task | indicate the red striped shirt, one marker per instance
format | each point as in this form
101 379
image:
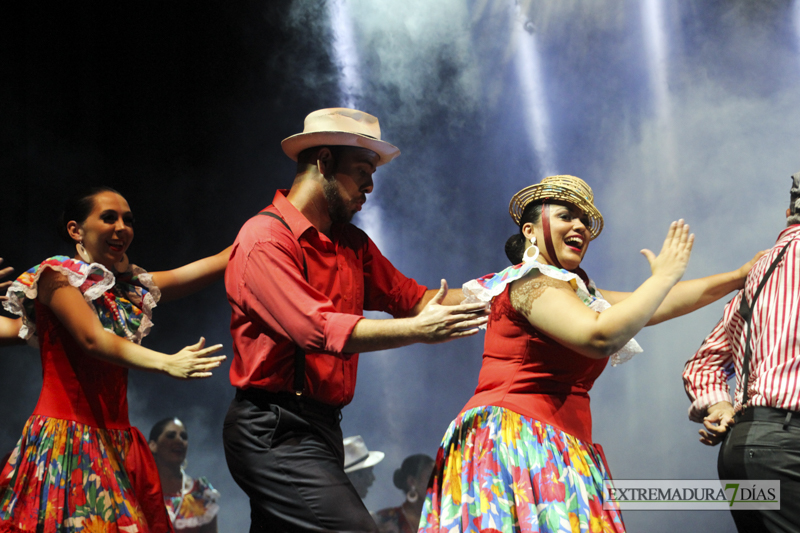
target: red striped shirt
775 359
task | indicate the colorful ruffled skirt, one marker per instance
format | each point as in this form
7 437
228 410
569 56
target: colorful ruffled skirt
498 471
64 476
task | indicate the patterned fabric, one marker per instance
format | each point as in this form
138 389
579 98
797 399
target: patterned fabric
485 288
71 478
497 471
66 475
195 506
123 305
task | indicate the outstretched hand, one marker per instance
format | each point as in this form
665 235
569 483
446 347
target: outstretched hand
671 262
439 323
194 361
6 284
745 268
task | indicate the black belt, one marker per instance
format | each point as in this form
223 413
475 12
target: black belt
769 414
288 400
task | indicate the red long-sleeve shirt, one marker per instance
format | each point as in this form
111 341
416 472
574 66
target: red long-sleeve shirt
274 306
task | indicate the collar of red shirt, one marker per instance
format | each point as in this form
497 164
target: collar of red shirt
297 222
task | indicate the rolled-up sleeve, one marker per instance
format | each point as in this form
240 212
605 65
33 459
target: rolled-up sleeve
706 374
275 289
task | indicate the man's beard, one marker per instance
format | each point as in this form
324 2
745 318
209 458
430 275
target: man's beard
336 208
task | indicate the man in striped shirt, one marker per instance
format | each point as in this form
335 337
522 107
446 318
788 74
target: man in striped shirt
760 439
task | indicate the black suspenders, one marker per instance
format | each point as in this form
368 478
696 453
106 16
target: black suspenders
299 353
746 310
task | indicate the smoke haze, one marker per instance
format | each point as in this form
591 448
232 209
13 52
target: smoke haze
182 107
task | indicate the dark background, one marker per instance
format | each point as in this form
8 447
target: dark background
181 106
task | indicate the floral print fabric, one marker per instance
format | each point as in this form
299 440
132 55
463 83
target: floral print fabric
69 477
123 303
498 471
195 506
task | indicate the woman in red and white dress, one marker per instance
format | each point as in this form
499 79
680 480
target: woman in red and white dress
79 465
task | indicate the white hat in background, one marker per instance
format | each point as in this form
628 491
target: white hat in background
357 456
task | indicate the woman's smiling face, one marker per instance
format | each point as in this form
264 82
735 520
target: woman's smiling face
569 231
108 230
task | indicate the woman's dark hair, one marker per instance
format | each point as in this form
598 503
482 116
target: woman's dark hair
516 244
412 466
78 208
158 428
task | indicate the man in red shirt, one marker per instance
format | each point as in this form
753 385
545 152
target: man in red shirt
299 278
760 431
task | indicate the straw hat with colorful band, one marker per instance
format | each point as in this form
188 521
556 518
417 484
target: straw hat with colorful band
339 126
563 189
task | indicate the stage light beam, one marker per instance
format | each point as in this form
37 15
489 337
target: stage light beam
528 66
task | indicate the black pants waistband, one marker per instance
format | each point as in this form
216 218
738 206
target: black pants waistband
769 414
287 400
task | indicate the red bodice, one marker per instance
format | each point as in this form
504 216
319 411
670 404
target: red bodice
533 375
76 386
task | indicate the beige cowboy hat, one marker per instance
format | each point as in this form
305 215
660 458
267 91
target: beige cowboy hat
339 126
357 456
561 188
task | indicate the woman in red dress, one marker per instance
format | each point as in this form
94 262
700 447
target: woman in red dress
79 465
520 456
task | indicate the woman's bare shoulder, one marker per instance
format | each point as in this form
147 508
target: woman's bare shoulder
525 291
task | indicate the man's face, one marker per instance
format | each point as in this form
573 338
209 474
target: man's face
351 181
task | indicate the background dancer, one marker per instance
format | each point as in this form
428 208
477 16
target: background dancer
412 479
191 502
79 465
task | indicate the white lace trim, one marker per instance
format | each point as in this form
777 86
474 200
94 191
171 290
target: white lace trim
475 292
14 304
27 329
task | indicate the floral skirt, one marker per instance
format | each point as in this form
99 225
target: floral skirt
64 476
498 471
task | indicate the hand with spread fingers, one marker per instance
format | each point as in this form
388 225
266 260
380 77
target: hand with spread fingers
5 284
194 361
439 323
673 259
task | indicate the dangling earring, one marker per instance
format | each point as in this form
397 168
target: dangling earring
412 495
122 266
532 248
82 253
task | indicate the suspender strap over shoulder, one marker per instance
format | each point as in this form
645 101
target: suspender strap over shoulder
746 310
299 353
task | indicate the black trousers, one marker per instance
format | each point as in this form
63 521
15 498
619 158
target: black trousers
762 445
287 455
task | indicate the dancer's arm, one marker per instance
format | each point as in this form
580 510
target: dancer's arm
436 322
72 311
9 331
453 297
9 327
690 295
6 284
552 306
185 280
